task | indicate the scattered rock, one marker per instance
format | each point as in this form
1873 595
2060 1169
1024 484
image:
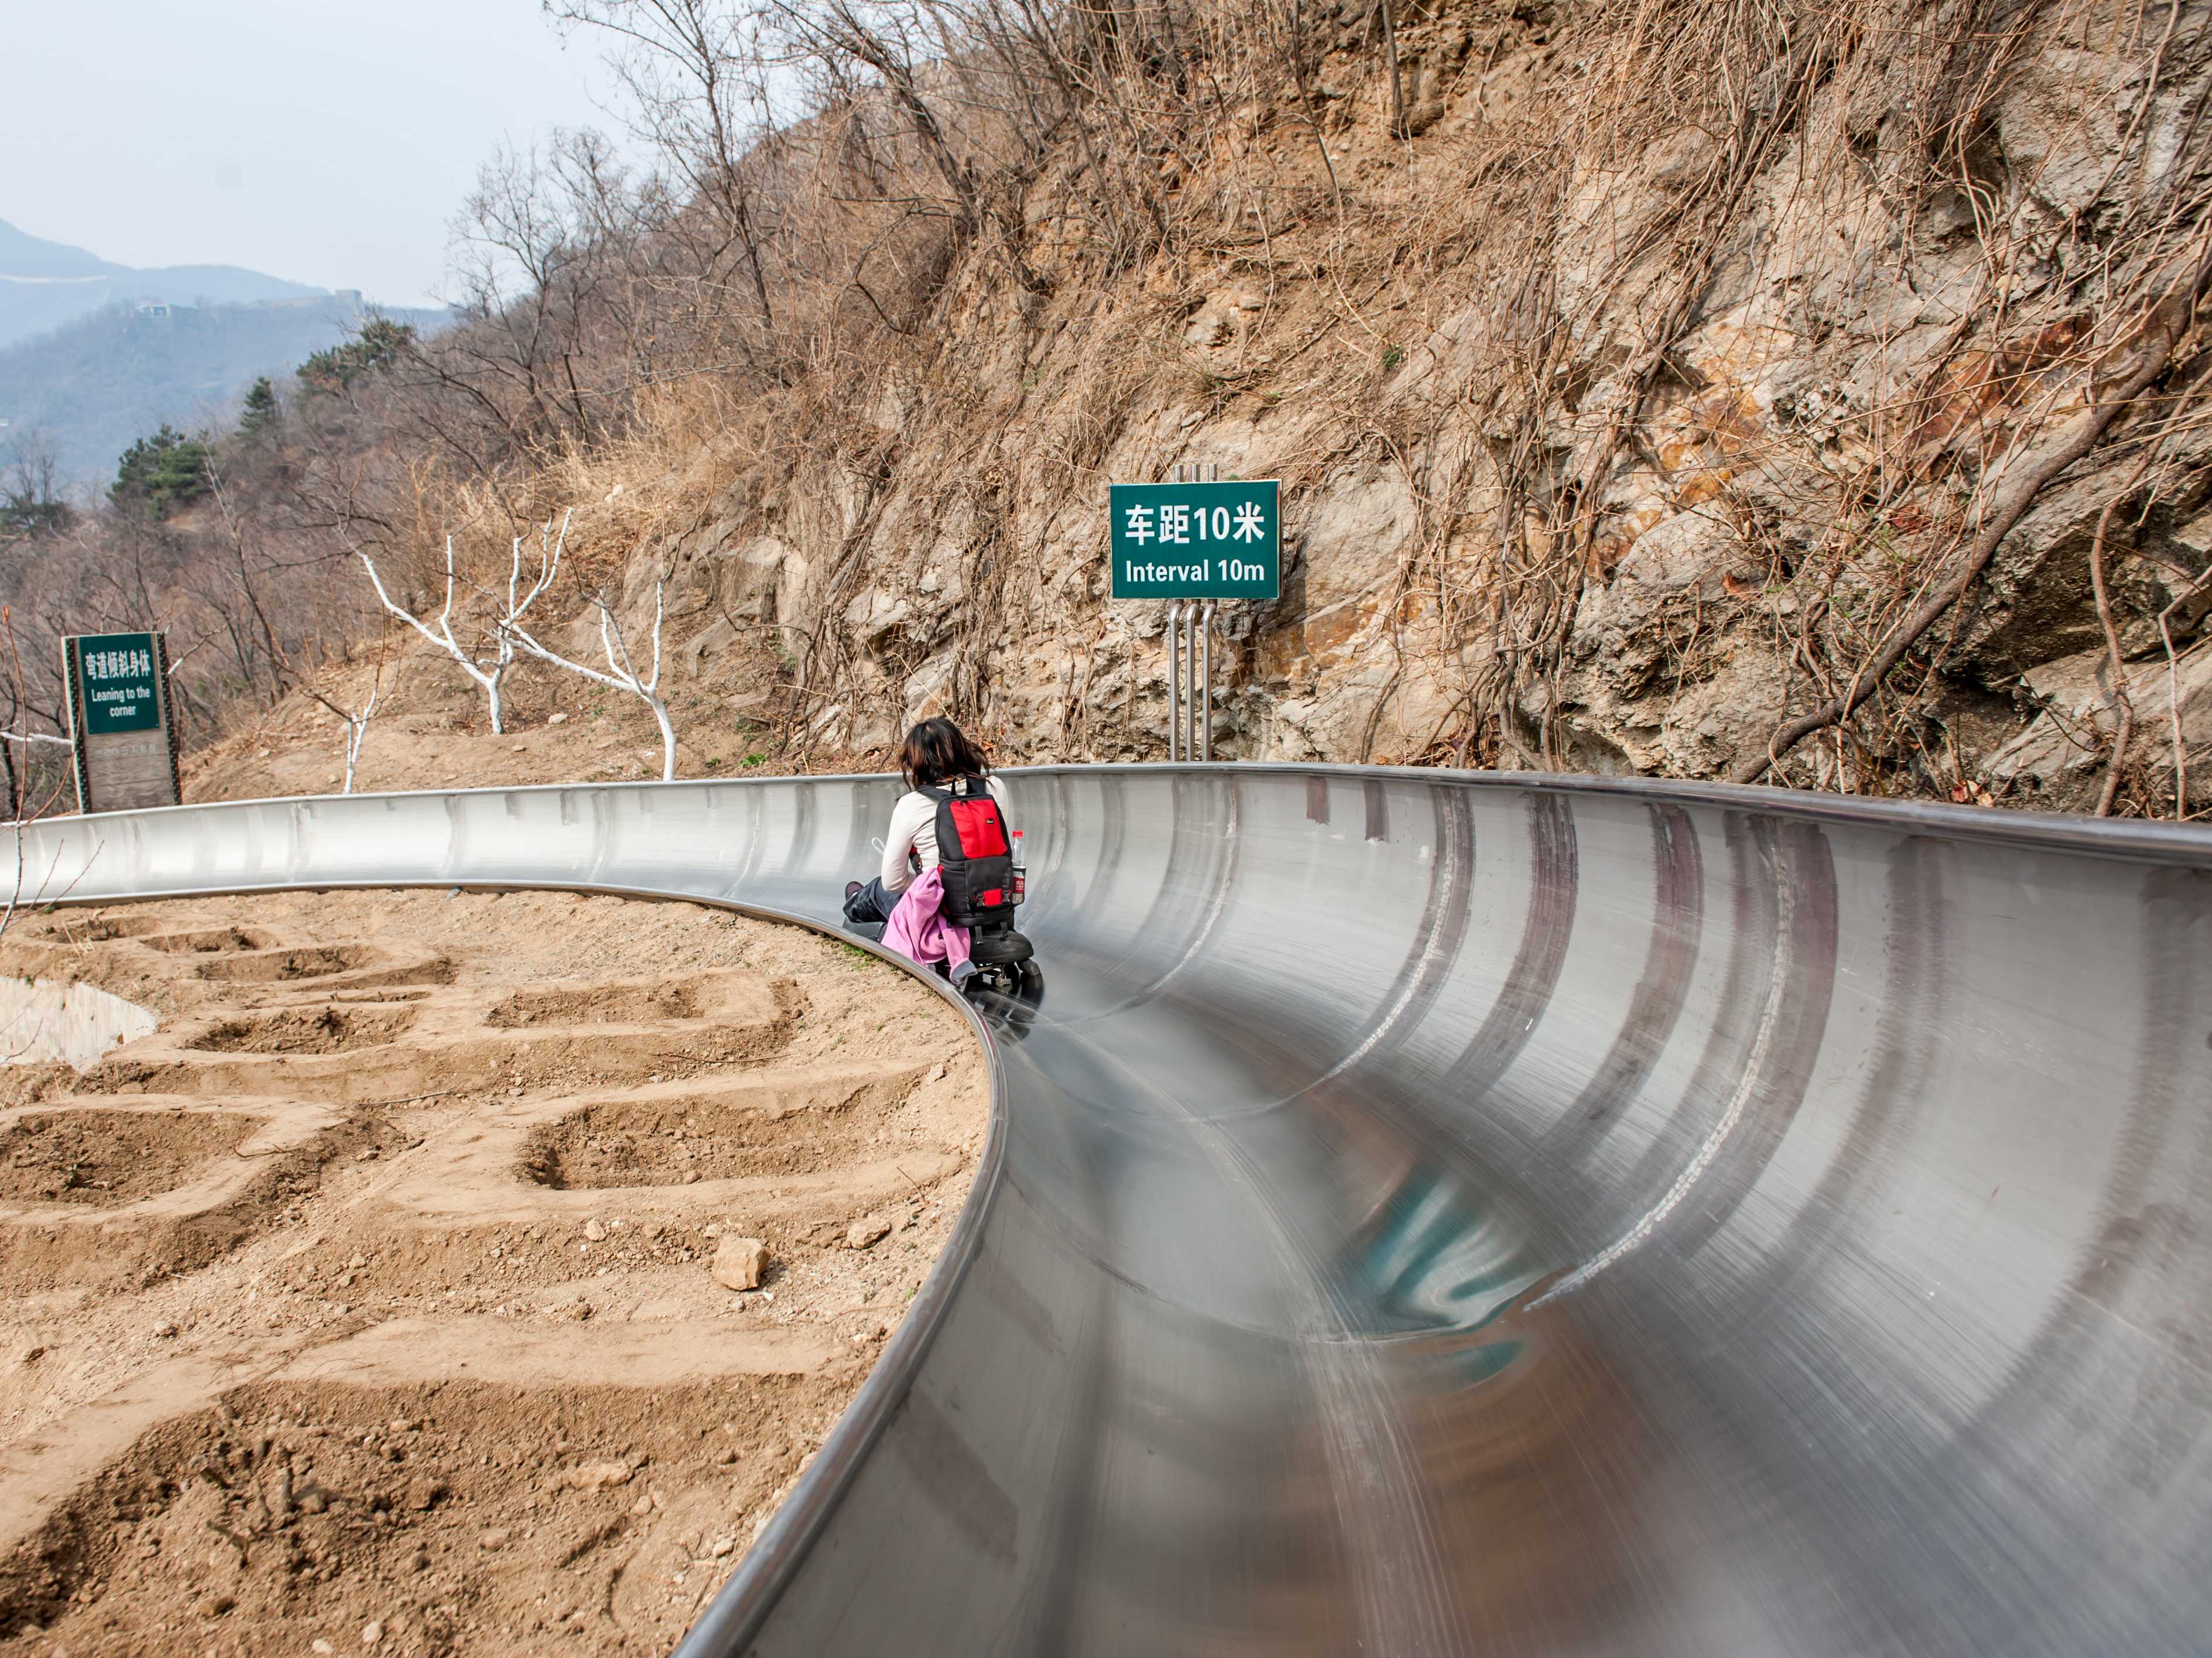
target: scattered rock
595 1232
423 1492
165 1330
740 1263
558 719
495 1539
30 1355
214 1605
324 1648
593 1477
278 1496
868 1230
371 1633
720 1547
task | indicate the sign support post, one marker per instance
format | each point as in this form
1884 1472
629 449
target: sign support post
1194 541
1197 724
1174 631
1205 678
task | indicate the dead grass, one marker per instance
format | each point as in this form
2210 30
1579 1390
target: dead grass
1556 272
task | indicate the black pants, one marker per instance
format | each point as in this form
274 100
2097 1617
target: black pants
871 904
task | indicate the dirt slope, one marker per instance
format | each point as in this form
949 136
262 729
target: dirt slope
378 1300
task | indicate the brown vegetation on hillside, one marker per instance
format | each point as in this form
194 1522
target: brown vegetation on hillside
1700 388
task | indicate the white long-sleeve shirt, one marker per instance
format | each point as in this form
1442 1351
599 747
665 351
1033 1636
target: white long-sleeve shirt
913 829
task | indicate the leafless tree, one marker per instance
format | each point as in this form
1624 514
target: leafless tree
491 657
693 71
32 502
32 792
356 719
622 672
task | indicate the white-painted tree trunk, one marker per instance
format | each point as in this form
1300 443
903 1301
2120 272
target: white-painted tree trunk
490 678
620 672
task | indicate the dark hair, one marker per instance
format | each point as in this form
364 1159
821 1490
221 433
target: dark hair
935 752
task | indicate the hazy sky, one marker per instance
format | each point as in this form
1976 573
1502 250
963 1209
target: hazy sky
328 143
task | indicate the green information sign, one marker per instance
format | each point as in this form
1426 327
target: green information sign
119 724
120 679
1196 540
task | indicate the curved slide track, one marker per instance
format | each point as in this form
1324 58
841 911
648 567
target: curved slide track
1444 1213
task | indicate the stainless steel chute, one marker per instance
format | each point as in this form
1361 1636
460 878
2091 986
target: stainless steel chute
1436 1213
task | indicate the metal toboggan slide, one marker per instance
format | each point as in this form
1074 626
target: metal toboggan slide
1436 1212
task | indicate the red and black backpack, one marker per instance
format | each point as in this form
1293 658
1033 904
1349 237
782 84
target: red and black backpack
975 853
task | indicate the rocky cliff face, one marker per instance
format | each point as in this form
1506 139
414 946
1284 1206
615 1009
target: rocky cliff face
1627 400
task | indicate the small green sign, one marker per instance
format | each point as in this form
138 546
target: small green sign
1196 540
118 673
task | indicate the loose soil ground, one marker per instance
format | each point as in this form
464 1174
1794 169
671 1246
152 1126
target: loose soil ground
366 1306
106 1156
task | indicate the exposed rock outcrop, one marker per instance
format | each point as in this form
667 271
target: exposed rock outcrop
1612 436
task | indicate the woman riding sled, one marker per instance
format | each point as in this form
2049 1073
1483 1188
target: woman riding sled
936 756
952 878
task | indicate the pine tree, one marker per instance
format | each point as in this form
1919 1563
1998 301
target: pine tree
261 410
380 343
160 474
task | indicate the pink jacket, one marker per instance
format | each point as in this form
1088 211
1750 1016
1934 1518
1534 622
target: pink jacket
918 929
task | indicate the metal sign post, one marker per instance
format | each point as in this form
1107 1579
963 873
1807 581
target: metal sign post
1194 541
121 720
1174 681
1205 678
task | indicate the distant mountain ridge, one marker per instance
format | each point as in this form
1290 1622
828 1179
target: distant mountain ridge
45 285
84 392
95 355
28 256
